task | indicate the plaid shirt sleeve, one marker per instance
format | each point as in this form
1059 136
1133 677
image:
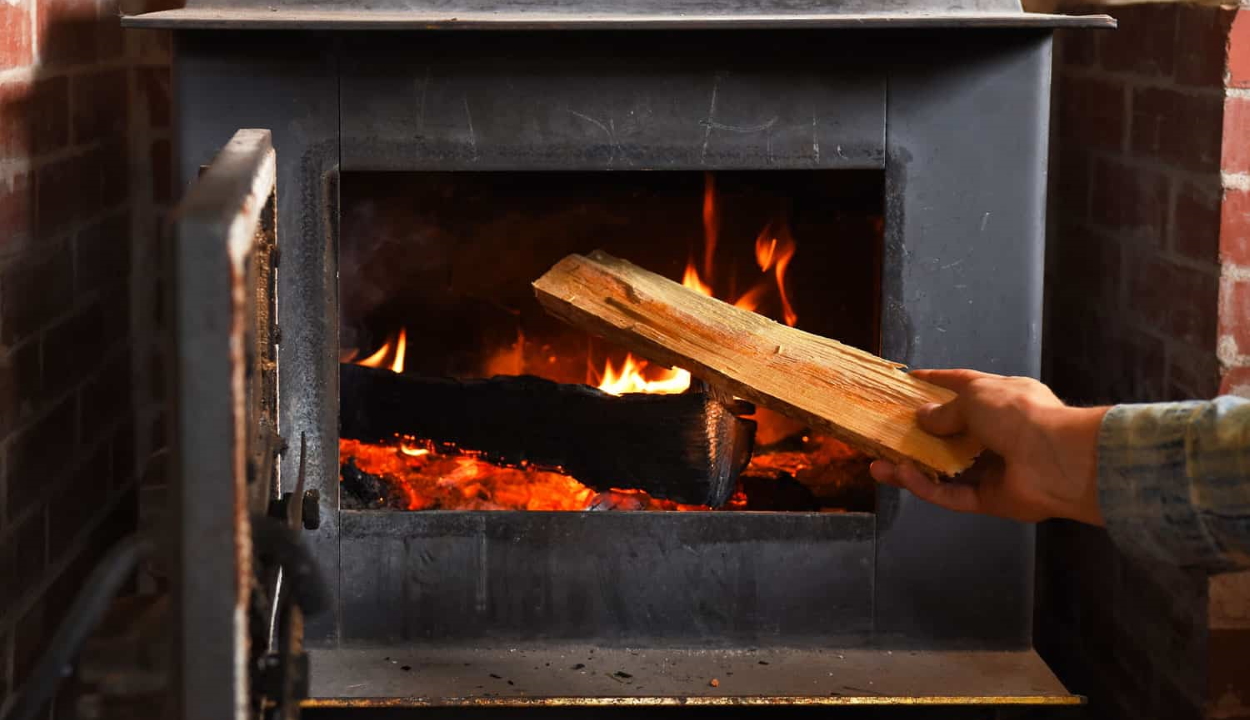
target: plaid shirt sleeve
1174 481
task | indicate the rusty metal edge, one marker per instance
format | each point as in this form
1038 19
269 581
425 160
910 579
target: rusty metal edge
285 19
690 701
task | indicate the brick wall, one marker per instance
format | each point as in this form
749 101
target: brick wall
84 114
1148 298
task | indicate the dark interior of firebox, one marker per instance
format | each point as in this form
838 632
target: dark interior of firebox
434 283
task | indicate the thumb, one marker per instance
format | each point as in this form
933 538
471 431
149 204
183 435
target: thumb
945 419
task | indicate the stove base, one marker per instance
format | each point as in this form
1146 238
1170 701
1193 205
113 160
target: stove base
544 676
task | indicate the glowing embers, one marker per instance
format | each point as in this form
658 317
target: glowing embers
409 474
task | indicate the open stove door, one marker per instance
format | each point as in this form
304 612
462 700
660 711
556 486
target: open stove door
226 442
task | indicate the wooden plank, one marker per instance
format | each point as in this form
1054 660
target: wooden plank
865 401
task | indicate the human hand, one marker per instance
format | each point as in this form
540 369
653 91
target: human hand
1041 460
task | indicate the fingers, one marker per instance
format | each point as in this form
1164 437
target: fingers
960 498
945 419
955 380
883 472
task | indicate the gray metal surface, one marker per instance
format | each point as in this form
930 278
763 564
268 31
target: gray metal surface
292 88
217 225
393 16
962 287
698 578
961 131
456 102
590 675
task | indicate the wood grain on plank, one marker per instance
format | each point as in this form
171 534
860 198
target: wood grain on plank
863 400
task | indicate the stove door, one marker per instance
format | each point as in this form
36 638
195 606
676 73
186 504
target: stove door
225 434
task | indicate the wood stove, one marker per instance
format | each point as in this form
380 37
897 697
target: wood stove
906 142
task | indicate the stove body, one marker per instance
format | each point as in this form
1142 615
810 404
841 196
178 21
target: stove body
951 107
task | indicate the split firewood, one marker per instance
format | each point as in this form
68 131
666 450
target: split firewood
863 400
689 448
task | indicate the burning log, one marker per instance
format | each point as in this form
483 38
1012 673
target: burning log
689 448
855 396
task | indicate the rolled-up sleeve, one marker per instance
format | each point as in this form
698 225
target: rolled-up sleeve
1174 481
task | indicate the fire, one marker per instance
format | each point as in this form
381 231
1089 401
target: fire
711 225
395 356
774 249
631 378
413 474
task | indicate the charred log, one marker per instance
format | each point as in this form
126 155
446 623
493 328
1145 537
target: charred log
688 448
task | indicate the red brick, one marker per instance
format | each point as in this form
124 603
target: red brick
17 204
1072 172
114 167
110 38
1226 656
6 663
14 136
15 36
1193 372
68 31
1087 263
39 455
124 456
1235 228
1134 366
75 348
27 558
1176 300
1239 50
1078 50
1144 43
1179 128
154 46
78 501
28 641
1196 222
1091 112
1234 311
101 102
1235 154
153 83
1130 201
1202 44
69 192
102 253
1236 381
105 399
48 118
21 385
33 292
162 172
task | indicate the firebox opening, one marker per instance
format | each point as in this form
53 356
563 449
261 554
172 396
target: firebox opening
435 272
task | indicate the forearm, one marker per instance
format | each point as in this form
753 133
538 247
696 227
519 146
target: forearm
1174 481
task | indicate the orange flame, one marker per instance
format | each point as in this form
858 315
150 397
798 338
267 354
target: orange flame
773 250
711 225
631 378
396 355
692 280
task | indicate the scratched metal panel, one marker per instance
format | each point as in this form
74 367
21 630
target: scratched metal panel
223 226
253 80
649 7
608 102
962 285
614 578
